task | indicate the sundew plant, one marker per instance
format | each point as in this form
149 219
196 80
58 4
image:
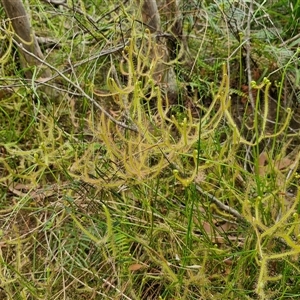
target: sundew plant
149 156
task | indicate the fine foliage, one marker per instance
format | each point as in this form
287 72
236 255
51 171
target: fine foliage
151 163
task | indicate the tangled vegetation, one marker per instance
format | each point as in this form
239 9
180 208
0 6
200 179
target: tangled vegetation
149 163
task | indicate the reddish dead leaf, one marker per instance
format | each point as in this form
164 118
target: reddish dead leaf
225 227
207 227
279 164
256 74
245 90
262 160
135 267
283 163
228 261
5 93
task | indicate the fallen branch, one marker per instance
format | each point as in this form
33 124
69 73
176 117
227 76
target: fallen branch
221 205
